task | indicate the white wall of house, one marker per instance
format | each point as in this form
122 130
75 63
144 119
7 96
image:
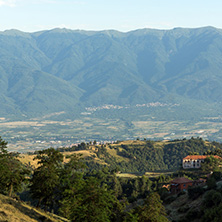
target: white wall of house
190 163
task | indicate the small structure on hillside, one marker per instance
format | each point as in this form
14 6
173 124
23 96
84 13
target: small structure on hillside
180 184
194 161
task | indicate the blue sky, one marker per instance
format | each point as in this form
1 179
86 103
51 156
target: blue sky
122 15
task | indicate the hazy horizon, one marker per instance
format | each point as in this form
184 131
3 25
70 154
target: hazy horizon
97 15
103 30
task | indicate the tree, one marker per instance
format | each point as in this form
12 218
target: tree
116 186
45 180
3 146
89 201
213 214
12 171
211 199
152 210
212 206
210 164
89 197
71 178
211 183
12 174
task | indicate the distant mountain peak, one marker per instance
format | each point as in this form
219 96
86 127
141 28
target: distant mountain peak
15 32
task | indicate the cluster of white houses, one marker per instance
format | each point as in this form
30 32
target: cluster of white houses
194 161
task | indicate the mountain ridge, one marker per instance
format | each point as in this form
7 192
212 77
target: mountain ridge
61 69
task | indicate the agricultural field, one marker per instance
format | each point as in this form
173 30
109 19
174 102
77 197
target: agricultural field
37 134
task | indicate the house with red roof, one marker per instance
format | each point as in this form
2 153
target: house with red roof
194 161
180 184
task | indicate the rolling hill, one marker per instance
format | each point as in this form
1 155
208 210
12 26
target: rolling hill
138 156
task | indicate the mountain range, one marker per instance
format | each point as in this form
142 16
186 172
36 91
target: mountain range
66 70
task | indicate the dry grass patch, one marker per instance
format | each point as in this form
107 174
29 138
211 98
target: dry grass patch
84 153
14 211
28 160
126 175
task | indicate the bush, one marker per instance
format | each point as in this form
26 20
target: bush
217 175
170 199
211 183
183 209
212 198
193 214
181 193
195 192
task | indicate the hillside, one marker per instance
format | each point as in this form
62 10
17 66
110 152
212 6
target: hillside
66 70
16 211
137 156
72 190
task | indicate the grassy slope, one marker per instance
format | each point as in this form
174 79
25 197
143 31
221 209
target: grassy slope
16 211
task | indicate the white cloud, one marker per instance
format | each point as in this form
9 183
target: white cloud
10 3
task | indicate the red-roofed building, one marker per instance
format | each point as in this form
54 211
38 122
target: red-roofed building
194 161
180 184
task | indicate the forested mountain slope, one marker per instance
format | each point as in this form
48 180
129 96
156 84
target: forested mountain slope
64 70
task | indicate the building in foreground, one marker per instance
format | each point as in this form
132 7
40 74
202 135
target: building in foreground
180 184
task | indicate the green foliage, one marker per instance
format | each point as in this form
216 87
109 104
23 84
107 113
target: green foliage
89 201
151 157
211 183
217 175
3 147
213 214
49 157
45 180
212 205
192 214
152 210
210 164
195 192
12 172
212 198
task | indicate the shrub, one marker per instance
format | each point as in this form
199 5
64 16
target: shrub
195 192
170 199
212 198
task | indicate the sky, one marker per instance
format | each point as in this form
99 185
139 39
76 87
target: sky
121 15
